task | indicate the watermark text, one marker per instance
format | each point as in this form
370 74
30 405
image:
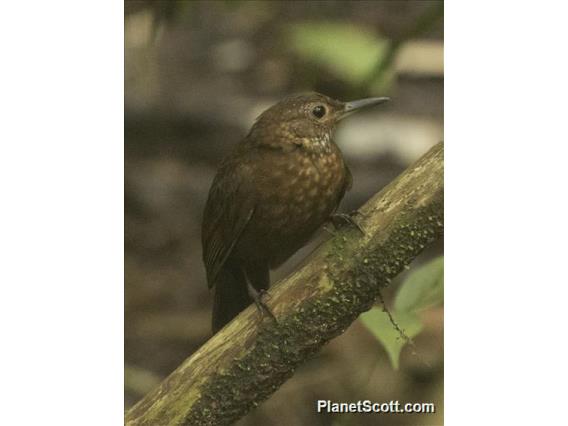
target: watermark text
366 406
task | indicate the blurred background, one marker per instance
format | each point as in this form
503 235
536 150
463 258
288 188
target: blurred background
197 73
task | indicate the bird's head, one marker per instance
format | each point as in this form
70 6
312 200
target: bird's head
307 120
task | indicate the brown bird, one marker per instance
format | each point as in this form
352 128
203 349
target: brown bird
280 184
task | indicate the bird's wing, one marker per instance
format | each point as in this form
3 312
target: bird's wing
227 213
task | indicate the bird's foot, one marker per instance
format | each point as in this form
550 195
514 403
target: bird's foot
341 219
259 297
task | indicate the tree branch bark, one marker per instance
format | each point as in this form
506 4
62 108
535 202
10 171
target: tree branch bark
250 358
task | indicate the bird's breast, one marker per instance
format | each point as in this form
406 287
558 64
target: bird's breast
301 192
294 194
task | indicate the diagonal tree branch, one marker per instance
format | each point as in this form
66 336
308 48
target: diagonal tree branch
249 359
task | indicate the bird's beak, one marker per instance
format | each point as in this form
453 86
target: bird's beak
354 106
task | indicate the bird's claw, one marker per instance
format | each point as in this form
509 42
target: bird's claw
259 296
340 219
263 308
264 294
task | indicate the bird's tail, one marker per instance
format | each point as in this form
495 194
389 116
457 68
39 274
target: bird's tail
231 296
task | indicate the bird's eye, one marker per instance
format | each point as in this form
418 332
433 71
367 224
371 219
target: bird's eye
319 111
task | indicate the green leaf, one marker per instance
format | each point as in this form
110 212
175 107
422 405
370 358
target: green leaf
347 51
378 322
424 288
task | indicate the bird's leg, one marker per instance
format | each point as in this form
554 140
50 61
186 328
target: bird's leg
340 219
258 296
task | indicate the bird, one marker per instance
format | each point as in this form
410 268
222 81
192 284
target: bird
270 195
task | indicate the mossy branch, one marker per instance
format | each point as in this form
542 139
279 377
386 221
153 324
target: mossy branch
249 359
